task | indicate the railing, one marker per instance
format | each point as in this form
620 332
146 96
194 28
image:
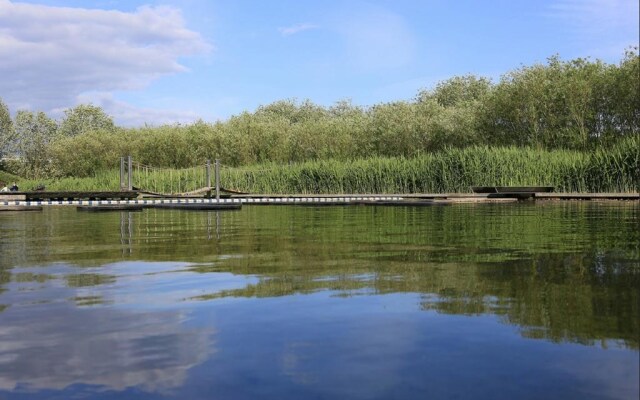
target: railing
194 180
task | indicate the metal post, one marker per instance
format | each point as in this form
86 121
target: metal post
121 173
129 173
208 174
217 171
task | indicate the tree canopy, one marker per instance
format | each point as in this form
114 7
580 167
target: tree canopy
579 104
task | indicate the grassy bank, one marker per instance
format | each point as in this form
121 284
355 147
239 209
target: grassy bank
615 169
8 178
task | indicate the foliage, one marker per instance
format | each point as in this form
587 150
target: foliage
85 118
614 169
452 170
34 134
7 133
8 178
573 104
90 153
566 105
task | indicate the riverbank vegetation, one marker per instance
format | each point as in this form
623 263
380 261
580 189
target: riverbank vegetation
611 169
571 124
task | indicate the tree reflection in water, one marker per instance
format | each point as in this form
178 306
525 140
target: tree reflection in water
77 304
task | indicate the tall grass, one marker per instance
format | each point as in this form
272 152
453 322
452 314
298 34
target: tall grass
8 178
107 180
615 169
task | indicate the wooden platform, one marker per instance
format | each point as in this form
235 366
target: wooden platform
20 208
588 196
512 189
111 207
414 200
402 203
67 195
195 206
12 196
457 197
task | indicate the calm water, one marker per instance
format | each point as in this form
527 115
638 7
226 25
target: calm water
484 302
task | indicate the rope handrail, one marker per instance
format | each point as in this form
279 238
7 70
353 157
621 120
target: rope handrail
197 179
136 164
245 169
168 180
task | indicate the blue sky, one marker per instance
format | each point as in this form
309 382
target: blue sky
176 61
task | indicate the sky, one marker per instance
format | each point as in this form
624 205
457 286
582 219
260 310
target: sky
163 62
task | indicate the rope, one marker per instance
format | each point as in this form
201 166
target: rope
169 180
191 179
233 169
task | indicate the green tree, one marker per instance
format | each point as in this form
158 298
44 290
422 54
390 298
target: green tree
620 99
292 111
451 110
7 133
457 90
516 111
89 153
570 104
396 129
34 134
349 127
85 118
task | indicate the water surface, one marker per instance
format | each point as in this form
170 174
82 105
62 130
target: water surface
466 301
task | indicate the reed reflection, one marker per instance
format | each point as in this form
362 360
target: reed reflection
560 272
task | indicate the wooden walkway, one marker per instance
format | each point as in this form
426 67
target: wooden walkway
588 196
112 200
67 195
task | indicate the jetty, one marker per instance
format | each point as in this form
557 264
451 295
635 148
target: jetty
4 208
110 207
135 201
68 195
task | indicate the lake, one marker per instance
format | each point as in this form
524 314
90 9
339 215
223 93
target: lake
487 301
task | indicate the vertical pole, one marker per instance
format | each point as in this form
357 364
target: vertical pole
129 169
121 173
217 171
208 179
208 174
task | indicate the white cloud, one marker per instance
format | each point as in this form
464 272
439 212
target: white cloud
101 347
610 25
51 55
377 39
68 343
126 114
297 28
598 14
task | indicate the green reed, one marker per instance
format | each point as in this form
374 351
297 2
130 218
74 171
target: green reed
453 170
615 169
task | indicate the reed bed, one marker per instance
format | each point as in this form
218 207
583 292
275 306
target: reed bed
615 169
